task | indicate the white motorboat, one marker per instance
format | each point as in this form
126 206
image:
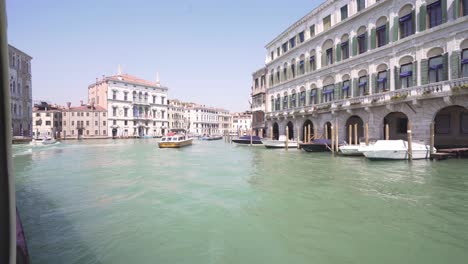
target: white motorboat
353 150
43 141
395 150
280 143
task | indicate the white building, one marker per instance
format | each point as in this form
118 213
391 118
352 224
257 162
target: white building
47 120
375 63
135 107
241 123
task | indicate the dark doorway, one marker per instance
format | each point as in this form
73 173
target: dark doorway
305 128
275 131
290 128
451 127
397 125
352 121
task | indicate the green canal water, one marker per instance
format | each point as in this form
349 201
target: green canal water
129 202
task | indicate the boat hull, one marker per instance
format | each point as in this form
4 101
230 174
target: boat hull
178 144
396 154
275 144
350 151
242 142
311 147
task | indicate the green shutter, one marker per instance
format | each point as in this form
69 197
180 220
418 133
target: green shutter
372 41
354 46
445 70
443 6
395 28
324 52
455 64
387 33
366 42
456 9
374 84
338 52
319 96
415 74
337 95
307 64
355 88
388 80
397 78
424 73
413 20
422 17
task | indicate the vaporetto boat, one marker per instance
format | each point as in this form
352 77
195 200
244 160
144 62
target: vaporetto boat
175 141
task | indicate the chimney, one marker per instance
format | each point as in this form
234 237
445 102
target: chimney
92 105
68 105
81 102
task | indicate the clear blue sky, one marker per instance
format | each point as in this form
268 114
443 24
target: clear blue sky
204 50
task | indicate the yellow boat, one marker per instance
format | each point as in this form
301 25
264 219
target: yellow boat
175 141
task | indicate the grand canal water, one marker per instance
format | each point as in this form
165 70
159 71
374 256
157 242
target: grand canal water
129 202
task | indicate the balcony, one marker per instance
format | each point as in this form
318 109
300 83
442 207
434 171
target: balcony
411 94
140 101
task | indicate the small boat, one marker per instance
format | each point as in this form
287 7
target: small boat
44 141
245 141
211 137
280 143
317 145
395 150
353 150
175 141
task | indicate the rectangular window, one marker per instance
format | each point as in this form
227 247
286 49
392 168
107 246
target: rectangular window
345 50
125 97
285 47
64 113
326 23
329 56
87 132
114 111
47 114
301 37
95 123
302 98
47 123
125 123
345 89
406 25
301 67
272 55
87 123
381 34
382 81
406 75
95 132
73 123
114 122
362 86
154 99
328 92
464 63
285 102
125 112
104 132
434 14
361 4
312 63
114 95
64 123
312 30
73 132
103 123
293 100
362 43
277 52
344 12
38 114
292 43
256 83
436 68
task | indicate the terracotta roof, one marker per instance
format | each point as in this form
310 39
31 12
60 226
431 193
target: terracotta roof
85 108
133 79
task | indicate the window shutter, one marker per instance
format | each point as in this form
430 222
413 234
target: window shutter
388 79
373 38
355 88
456 9
422 17
397 78
443 6
395 28
414 81
374 84
366 42
338 52
337 95
424 73
387 33
413 20
324 58
354 46
318 96
455 64
445 70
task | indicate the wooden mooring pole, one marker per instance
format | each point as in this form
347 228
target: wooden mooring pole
410 141
432 137
287 138
337 137
305 135
271 132
387 132
308 134
332 139
355 134
326 131
350 136
367 134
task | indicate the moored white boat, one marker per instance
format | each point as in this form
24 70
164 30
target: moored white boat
43 141
395 150
353 150
280 143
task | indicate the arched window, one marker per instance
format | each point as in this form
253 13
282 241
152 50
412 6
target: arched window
293 68
272 103
363 83
381 83
362 40
327 53
406 21
285 101
345 87
302 64
311 63
278 73
434 13
293 99
381 32
302 97
344 46
313 95
278 103
405 73
328 89
285 72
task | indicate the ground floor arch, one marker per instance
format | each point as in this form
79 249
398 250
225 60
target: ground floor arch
357 129
307 127
397 123
290 128
327 132
451 127
275 131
